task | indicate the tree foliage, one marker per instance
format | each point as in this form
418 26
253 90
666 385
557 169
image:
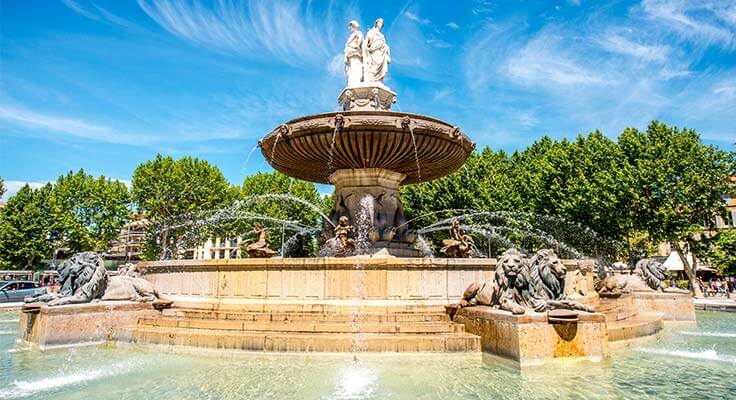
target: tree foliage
3 190
659 185
281 207
165 189
25 228
678 186
87 212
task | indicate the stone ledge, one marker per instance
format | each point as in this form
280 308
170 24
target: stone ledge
530 339
79 324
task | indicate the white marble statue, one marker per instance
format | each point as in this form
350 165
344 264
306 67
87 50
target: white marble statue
376 54
354 55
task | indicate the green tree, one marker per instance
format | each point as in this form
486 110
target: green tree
165 189
584 185
88 212
3 190
484 182
721 251
678 184
25 228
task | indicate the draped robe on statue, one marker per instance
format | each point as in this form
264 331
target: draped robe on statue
376 56
354 58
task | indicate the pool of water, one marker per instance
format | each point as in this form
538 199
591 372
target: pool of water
682 362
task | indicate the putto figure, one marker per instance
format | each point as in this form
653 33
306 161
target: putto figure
354 55
260 248
376 54
458 245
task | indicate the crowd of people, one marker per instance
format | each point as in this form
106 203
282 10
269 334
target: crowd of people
718 287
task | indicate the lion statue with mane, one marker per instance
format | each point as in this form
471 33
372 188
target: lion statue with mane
520 284
84 279
648 276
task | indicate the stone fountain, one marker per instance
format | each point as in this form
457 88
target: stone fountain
368 151
528 309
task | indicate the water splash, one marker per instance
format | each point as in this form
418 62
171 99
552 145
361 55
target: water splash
364 224
709 355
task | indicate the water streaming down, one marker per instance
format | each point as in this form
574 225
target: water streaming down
247 159
330 160
416 152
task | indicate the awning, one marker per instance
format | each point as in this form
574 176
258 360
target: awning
674 263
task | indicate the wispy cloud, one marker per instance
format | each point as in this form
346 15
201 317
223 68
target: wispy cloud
74 6
98 14
616 43
709 22
416 18
453 25
14 186
20 116
287 31
547 61
438 43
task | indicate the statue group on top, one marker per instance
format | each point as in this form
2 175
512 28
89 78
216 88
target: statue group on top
366 59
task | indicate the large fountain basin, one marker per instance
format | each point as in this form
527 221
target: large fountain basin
313 147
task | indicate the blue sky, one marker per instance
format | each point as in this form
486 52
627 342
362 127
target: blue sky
104 85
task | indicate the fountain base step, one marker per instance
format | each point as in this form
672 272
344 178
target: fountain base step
643 324
307 331
307 342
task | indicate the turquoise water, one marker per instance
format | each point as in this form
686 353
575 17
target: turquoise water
682 362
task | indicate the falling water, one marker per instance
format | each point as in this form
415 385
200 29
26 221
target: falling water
250 153
273 149
364 224
332 148
416 152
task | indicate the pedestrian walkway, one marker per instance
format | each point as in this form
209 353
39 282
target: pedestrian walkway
715 304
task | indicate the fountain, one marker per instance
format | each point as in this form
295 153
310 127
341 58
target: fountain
372 288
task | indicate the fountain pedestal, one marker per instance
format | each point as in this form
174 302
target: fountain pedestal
369 197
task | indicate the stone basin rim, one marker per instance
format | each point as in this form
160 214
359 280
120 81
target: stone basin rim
305 147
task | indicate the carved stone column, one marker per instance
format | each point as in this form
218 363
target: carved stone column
371 196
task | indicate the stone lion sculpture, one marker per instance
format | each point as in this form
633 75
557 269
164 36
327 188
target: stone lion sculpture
129 286
509 288
648 276
84 279
651 272
520 284
547 276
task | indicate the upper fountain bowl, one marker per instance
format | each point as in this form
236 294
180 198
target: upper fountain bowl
313 147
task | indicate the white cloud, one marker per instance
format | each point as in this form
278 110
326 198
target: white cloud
547 60
453 25
438 43
101 14
20 116
336 66
13 187
616 43
74 6
694 20
416 18
288 31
